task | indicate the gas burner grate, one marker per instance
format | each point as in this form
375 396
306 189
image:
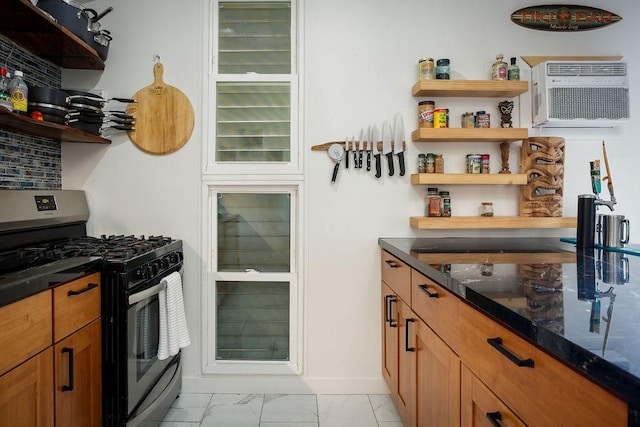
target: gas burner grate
112 247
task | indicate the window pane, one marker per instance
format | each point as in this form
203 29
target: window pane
254 38
254 232
252 321
253 122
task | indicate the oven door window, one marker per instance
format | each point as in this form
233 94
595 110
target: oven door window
143 336
147 333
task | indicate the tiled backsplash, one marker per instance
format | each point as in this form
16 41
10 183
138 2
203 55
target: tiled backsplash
25 161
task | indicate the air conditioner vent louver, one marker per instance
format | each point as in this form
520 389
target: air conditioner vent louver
588 69
590 103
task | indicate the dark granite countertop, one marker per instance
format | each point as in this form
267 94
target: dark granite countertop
18 285
583 308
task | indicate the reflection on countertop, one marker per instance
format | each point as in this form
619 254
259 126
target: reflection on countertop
582 307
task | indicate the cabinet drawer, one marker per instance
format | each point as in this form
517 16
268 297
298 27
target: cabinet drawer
397 275
75 304
479 405
25 329
437 307
547 393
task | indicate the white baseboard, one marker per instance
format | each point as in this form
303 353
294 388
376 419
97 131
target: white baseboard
264 384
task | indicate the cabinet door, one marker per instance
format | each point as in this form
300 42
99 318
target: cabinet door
480 407
26 393
78 378
436 372
406 353
25 329
390 339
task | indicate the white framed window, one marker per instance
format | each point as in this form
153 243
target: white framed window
253 95
253 298
252 186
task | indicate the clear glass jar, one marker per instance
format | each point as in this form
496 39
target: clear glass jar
422 163
433 202
445 203
499 68
486 209
443 69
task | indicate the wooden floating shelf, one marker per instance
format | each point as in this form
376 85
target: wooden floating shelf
31 28
470 88
493 222
497 258
470 178
16 123
469 134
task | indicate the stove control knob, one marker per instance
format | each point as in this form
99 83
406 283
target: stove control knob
165 262
154 268
140 273
174 257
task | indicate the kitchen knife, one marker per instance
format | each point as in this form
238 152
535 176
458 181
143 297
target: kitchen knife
360 148
375 137
386 146
355 153
346 152
369 145
398 142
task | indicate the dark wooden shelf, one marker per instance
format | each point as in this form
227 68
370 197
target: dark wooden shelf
25 125
30 28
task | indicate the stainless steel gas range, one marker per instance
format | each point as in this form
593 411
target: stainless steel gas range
43 243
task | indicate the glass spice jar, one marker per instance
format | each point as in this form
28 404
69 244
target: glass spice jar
445 203
438 163
433 202
486 209
422 163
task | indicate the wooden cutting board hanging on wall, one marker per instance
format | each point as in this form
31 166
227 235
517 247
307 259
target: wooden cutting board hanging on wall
164 116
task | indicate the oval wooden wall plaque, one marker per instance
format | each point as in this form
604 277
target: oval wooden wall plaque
563 17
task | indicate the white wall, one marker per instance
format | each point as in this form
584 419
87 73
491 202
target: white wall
360 61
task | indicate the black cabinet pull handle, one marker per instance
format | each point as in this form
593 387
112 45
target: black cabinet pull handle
387 318
391 263
424 289
406 336
495 418
70 386
391 323
82 291
497 344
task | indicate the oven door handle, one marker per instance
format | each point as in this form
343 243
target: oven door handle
142 295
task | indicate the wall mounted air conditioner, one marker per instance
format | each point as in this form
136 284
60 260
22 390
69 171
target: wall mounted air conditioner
579 94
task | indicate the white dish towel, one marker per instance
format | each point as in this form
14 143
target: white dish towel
174 334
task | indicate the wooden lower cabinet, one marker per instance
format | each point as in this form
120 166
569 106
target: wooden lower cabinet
26 393
51 357
435 370
78 378
448 364
480 407
538 388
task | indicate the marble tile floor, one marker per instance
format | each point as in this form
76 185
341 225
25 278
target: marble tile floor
282 410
